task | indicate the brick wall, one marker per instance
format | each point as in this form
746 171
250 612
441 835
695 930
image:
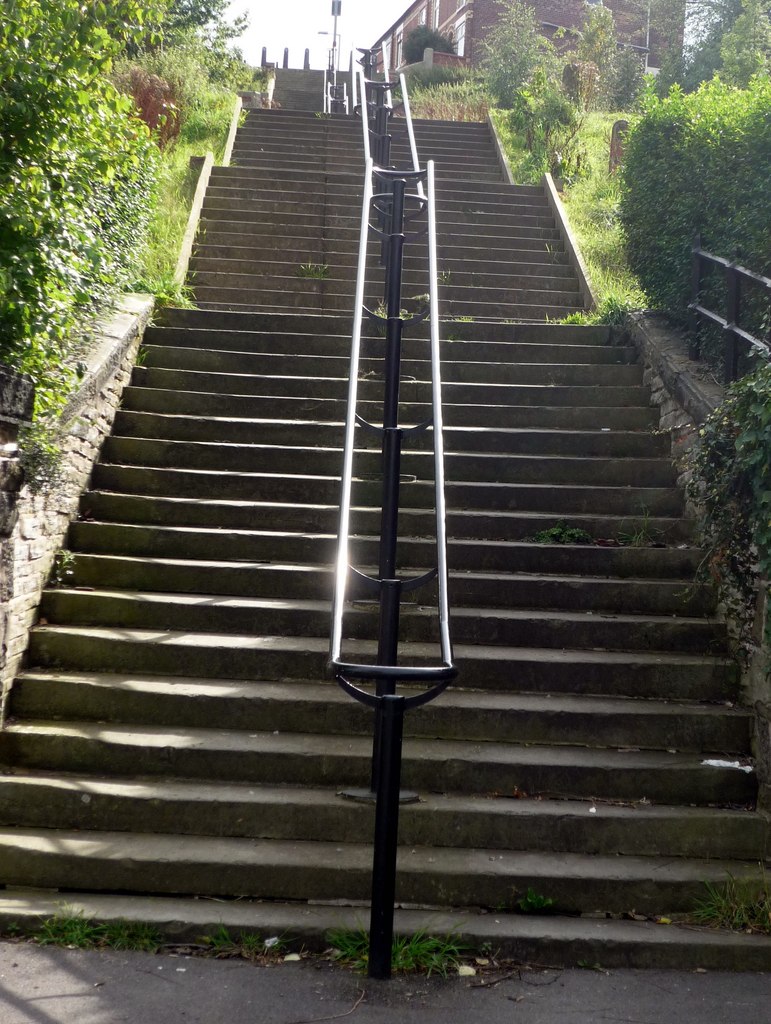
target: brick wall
43 517
481 15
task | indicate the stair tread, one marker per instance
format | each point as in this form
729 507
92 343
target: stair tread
175 638
294 854
455 696
213 600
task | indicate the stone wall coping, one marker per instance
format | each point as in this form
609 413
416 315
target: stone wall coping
664 347
503 160
17 395
204 165
112 338
570 242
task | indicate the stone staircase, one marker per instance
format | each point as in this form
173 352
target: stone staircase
174 735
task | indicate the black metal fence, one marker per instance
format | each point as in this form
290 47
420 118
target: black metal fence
746 300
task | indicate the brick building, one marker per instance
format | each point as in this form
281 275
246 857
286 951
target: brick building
467 22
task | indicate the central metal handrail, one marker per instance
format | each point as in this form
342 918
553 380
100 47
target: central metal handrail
389 206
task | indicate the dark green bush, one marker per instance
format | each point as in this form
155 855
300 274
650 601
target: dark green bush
75 174
422 38
698 163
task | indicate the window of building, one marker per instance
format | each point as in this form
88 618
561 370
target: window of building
422 16
387 57
399 44
460 37
436 14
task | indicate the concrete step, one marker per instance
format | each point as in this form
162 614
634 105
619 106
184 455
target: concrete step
152 804
303 617
210 404
475 554
455 371
468 467
558 940
290 264
622 444
459 310
280 708
438 766
615 673
254 486
292 579
525 346
503 331
140 863
536 389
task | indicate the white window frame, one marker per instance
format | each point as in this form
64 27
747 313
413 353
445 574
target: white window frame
460 36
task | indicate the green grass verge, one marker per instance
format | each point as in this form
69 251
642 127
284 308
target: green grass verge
592 203
418 953
205 128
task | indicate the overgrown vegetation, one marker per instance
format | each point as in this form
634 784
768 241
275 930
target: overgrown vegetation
97 124
422 38
732 485
76 177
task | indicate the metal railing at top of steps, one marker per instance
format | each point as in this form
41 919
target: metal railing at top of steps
376 684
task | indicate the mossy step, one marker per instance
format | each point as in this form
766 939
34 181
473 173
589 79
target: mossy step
291 579
318 708
553 939
504 441
141 863
190 403
472 624
537 670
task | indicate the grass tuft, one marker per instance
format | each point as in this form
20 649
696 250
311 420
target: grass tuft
416 954
739 905
76 931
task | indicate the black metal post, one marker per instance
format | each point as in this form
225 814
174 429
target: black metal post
381 925
390 587
733 316
694 346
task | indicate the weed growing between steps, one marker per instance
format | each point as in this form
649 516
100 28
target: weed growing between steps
561 533
418 953
76 932
737 905
317 271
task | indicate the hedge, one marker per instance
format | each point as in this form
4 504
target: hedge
698 162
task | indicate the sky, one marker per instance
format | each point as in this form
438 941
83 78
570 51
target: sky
297 23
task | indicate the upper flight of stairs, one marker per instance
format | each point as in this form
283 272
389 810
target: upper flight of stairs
500 253
174 734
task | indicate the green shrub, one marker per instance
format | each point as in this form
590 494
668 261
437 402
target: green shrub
697 163
75 173
514 50
550 125
422 38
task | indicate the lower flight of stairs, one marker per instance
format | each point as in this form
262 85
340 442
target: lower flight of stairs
174 752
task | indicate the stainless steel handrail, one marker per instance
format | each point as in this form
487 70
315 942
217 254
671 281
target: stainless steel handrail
364 108
411 131
343 560
438 424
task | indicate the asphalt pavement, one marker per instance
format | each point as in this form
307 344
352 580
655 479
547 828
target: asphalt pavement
47 985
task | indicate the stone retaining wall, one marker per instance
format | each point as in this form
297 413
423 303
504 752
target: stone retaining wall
44 516
16 400
686 392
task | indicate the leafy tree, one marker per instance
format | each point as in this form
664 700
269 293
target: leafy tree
422 38
709 21
209 15
515 49
598 45
746 49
